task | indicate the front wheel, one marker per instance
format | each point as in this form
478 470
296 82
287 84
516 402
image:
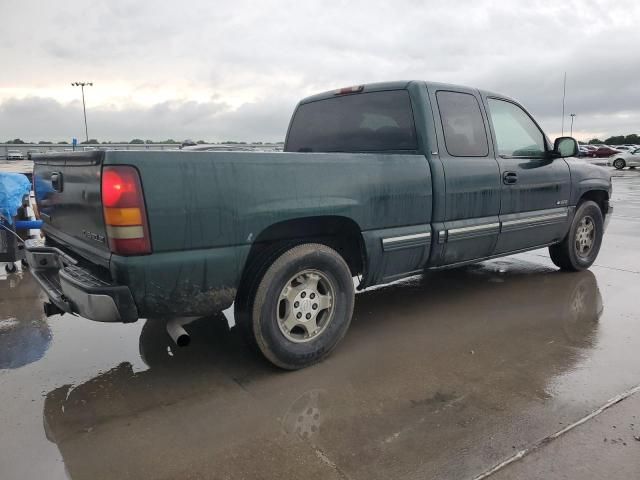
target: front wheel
619 163
10 268
580 247
301 307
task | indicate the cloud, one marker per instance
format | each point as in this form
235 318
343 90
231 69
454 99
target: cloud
235 69
210 120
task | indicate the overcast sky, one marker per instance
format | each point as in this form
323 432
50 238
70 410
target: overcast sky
233 70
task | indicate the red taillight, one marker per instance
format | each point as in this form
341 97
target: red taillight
124 211
120 187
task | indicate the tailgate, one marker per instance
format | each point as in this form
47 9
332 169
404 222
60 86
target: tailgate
67 188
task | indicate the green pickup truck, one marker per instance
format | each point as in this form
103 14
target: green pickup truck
377 182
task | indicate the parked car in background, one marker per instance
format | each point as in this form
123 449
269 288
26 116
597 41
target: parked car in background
624 148
583 151
625 159
603 152
15 155
587 151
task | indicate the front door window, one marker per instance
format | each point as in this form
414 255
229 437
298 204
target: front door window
516 134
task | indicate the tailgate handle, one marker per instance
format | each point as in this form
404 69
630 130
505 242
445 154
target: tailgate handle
56 181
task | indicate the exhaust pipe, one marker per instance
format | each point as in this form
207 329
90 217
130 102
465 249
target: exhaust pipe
178 334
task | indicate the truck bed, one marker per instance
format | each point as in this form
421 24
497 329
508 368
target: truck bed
207 209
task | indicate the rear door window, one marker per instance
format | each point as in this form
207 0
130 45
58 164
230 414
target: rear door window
363 122
462 123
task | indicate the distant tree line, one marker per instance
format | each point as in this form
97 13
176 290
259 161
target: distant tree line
135 141
632 138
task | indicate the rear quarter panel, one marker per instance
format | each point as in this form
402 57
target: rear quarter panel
205 210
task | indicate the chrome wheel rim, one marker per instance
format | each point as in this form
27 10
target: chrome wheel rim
305 306
585 235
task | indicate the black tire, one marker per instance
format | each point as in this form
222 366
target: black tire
259 313
243 305
566 254
10 268
619 163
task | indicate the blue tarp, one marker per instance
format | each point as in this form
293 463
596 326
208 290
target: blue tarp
13 186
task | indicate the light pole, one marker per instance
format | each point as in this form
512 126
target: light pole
572 115
564 94
84 109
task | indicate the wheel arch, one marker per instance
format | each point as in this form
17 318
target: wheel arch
600 197
341 233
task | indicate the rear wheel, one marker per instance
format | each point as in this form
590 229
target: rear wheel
619 163
580 247
302 306
10 268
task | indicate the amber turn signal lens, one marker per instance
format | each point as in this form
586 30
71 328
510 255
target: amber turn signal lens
122 216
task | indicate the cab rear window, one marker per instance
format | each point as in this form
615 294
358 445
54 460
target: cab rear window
464 132
364 122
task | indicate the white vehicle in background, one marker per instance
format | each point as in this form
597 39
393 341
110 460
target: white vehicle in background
625 159
15 155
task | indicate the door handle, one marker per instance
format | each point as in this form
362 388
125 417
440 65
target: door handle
56 181
509 178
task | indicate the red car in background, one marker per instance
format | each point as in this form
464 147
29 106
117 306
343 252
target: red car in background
603 152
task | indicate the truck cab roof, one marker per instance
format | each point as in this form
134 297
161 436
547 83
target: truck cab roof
395 85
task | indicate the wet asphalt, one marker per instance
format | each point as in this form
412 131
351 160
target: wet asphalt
442 376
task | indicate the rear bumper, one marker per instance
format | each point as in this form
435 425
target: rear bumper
76 290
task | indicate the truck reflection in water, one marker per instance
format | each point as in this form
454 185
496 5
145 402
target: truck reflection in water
24 332
448 348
